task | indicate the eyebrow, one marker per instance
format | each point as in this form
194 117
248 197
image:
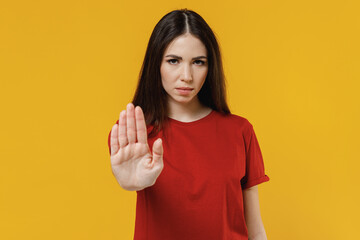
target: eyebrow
178 57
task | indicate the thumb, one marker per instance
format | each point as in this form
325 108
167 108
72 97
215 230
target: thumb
157 151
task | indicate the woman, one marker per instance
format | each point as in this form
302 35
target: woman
199 181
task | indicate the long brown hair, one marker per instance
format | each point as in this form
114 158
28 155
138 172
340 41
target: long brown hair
150 94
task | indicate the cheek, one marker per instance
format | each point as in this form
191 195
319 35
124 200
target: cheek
167 74
165 77
202 76
205 73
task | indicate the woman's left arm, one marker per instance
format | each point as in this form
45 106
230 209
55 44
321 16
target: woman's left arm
256 230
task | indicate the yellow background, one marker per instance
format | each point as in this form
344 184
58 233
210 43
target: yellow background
67 69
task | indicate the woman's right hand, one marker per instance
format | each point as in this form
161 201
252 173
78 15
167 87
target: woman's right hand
132 163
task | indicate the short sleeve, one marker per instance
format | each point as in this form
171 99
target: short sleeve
255 169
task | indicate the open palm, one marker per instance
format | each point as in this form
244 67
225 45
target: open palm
132 163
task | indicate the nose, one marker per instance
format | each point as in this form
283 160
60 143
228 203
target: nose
186 73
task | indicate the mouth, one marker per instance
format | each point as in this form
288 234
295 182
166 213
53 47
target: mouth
184 91
186 88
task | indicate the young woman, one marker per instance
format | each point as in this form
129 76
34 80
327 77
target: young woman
200 179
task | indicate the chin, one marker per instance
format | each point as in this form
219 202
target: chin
186 101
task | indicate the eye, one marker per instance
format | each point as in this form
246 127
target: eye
171 61
200 62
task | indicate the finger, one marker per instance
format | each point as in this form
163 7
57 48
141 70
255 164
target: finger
141 131
157 152
114 143
123 140
130 123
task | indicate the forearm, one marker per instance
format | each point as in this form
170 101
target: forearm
254 224
258 236
256 231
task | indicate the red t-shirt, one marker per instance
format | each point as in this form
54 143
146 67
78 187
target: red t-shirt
198 195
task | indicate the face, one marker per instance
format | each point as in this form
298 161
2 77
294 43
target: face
183 69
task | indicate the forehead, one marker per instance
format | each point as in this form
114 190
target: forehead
186 44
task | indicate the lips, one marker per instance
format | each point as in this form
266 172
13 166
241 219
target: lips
184 91
185 88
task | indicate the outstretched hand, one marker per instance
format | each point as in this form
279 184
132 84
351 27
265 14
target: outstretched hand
132 163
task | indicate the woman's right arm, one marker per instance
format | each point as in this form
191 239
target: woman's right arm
132 163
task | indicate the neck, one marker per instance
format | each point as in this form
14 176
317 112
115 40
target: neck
187 112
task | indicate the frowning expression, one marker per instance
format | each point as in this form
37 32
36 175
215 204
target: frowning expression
184 68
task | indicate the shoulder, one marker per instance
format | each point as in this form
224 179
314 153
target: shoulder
234 120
